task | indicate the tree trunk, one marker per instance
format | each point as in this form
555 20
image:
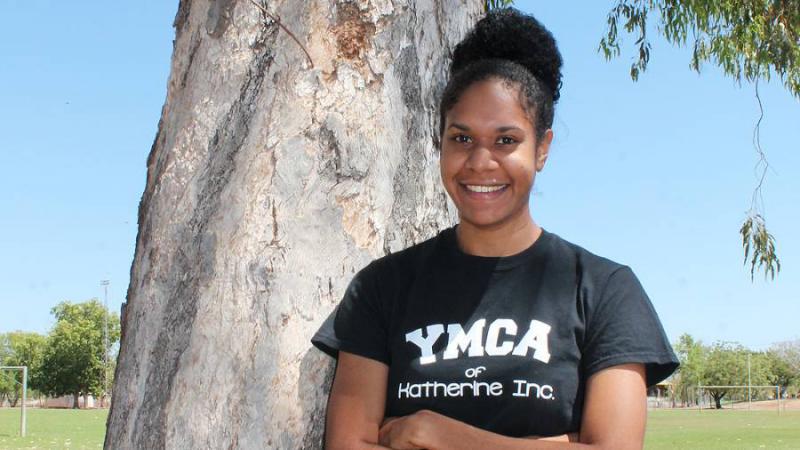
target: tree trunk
270 182
75 403
718 400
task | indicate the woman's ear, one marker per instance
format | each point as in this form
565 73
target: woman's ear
543 149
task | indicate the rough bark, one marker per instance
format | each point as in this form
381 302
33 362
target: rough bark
270 182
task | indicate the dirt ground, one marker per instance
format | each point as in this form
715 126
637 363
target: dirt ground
792 404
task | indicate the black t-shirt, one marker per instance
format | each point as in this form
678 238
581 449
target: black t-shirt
502 343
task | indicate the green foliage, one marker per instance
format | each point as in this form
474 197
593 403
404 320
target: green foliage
489 5
8 389
726 364
635 15
780 372
748 39
692 355
23 348
759 246
785 358
73 360
19 349
6 379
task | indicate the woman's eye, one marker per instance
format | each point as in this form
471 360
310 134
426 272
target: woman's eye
462 139
506 140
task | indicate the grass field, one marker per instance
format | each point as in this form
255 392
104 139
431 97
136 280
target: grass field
666 429
53 429
729 430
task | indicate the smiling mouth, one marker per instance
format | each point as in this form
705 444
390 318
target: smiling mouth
482 189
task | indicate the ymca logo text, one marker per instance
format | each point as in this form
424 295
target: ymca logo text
498 340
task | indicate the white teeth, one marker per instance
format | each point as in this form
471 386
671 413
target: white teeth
479 188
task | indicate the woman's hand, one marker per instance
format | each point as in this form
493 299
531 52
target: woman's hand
427 429
414 431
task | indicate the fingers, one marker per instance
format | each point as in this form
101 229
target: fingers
383 432
387 420
396 432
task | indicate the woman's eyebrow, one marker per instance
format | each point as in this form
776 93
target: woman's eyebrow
505 128
502 129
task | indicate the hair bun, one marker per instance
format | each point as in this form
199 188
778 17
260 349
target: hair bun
512 35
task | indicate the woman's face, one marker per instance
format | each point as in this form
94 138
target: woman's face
490 155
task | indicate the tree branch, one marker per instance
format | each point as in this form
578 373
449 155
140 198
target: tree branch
277 20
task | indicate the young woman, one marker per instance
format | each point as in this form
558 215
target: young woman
495 334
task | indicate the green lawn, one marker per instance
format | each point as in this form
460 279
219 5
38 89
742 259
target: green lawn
54 429
666 429
729 430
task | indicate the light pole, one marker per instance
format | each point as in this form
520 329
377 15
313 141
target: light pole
105 283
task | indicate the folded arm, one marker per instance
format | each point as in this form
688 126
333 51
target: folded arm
356 403
613 417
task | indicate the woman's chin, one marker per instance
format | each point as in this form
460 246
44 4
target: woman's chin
483 221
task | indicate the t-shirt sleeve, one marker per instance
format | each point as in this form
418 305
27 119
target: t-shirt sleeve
357 324
623 327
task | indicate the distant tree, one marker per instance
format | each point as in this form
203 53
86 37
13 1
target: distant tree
780 372
5 386
785 357
6 379
691 354
765 371
749 40
19 348
726 365
788 351
73 362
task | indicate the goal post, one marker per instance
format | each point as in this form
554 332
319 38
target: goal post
23 416
746 393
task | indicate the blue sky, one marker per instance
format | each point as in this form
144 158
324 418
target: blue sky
655 174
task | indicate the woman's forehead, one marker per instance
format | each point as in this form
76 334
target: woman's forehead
489 103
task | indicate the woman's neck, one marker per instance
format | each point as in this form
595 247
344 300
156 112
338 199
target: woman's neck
497 241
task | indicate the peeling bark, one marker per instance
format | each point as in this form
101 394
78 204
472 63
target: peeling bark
269 184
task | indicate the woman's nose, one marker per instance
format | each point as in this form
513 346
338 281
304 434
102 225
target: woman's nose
481 159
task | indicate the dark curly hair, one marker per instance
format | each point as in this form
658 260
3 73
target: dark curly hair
515 47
